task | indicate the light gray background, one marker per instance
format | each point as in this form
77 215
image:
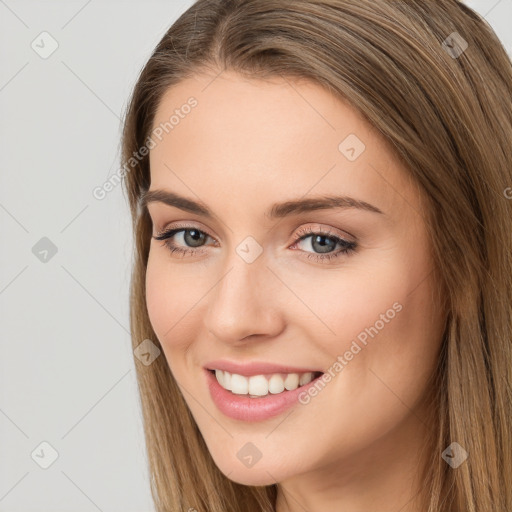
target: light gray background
67 374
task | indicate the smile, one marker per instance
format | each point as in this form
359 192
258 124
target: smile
257 397
258 386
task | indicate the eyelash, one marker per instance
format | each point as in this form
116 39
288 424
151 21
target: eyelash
348 247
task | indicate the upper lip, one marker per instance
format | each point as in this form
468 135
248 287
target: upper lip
254 368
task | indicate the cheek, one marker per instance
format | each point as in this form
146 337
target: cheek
165 308
165 299
344 301
158 298
386 331
380 367
389 344
175 298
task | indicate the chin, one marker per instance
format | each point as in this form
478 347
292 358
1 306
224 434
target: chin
251 476
258 472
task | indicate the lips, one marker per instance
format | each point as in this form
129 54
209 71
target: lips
256 368
244 408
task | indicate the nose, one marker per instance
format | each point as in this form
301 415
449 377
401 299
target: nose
244 303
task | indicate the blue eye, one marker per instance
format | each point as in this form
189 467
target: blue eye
322 241
192 236
194 239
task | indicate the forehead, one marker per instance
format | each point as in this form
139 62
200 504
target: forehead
275 139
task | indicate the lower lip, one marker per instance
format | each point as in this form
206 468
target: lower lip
243 408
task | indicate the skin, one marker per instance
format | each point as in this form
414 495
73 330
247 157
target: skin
355 446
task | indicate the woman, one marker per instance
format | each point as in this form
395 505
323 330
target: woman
320 194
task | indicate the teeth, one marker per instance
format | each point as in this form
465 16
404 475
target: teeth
291 381
305 378
258 385
227 380
239 384
261 385
276 384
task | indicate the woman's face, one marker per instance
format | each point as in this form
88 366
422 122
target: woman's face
353 299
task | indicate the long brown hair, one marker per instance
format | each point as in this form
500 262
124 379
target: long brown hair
435 81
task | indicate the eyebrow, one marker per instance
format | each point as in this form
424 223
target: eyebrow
278 210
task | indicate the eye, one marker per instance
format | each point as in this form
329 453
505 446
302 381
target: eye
186 235
325 243
191 240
